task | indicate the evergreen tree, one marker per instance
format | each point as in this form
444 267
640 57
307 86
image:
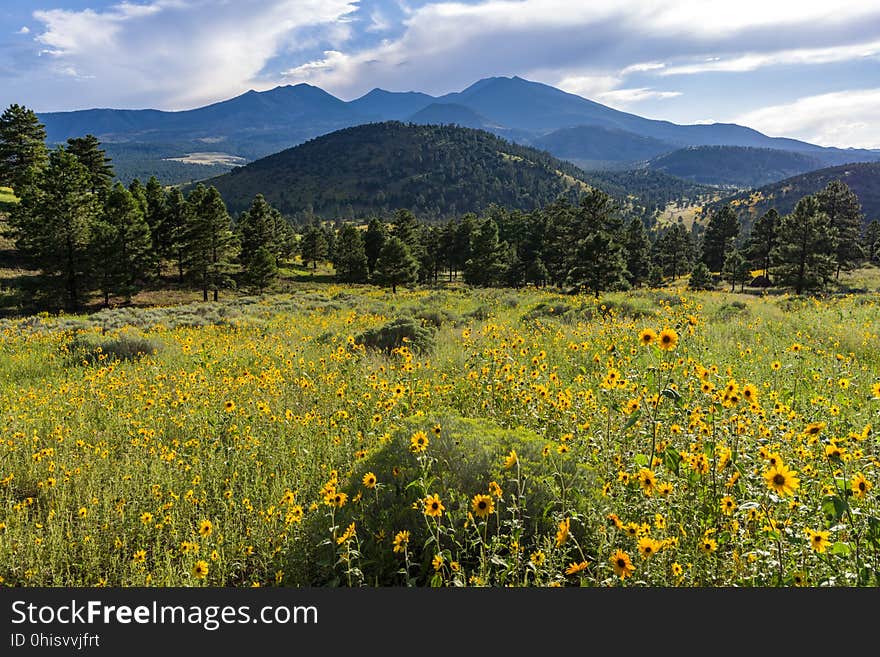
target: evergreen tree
259 228
637 248
700 278
804 256
122 245
844 212
174 227
872 241
154 195
139 192
396 265
211 245
23 152
330 238
90 154
464 233
595 256
406 228
313 247
486 265
429 253
374 239
762 240
672 251
351 257
720 236
736 269
53 225
262 269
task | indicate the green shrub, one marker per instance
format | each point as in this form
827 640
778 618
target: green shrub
398 332
94 347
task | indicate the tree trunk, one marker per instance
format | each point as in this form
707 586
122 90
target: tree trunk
215 294
204 294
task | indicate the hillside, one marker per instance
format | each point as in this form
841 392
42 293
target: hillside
736 166
863 179
593 146
435 171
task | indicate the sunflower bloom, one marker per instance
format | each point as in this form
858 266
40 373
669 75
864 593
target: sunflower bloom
433 506
622 564
818 540
418 443
200 569
647 336
205 528
401 541
511 460
369 480
782 480
483 505
860 486
563 531
648 547
575 568
668 339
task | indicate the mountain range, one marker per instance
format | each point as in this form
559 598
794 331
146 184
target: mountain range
589 134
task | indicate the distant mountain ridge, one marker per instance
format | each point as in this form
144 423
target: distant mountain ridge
256 124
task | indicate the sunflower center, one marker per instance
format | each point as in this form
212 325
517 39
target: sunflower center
779 480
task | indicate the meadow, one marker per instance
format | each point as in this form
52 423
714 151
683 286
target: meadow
345 435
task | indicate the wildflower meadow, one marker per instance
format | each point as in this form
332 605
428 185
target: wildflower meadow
349 436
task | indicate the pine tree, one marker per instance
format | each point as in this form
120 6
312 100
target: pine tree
155 215
700 278
90 154
260 228
672 252
396 265
351 258
53 225
595 258
720 236
23 152
211 245
122 245
174 227
872 241
637 249
486 265
736 269
313 247
844 212
762 240
804 256
374 239
261 270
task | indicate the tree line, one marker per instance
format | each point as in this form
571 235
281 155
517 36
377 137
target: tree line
86 233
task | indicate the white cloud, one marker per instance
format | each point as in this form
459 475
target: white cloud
379 22
843 119
177 54
754 61
618 97
643 67
24 30
588 85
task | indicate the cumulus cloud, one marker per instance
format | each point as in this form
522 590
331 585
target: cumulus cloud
844 118
624 97
24 30
178 53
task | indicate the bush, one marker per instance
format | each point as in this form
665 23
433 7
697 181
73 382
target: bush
466 455
401 331
93 347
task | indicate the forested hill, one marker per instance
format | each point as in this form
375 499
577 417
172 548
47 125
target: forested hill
438 172
862 178
739 166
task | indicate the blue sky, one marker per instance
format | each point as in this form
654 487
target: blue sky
809 69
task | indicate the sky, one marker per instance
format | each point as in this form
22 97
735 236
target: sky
808 70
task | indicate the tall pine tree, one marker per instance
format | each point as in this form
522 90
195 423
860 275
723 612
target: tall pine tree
844 212
211 245
23 152
804 256
720 236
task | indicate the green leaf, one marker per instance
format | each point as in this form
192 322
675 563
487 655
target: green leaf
641 460
633 418
672 394
841 549
834 507
671 459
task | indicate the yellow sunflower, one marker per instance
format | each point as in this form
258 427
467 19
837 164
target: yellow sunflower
782 480
483 505
622 564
